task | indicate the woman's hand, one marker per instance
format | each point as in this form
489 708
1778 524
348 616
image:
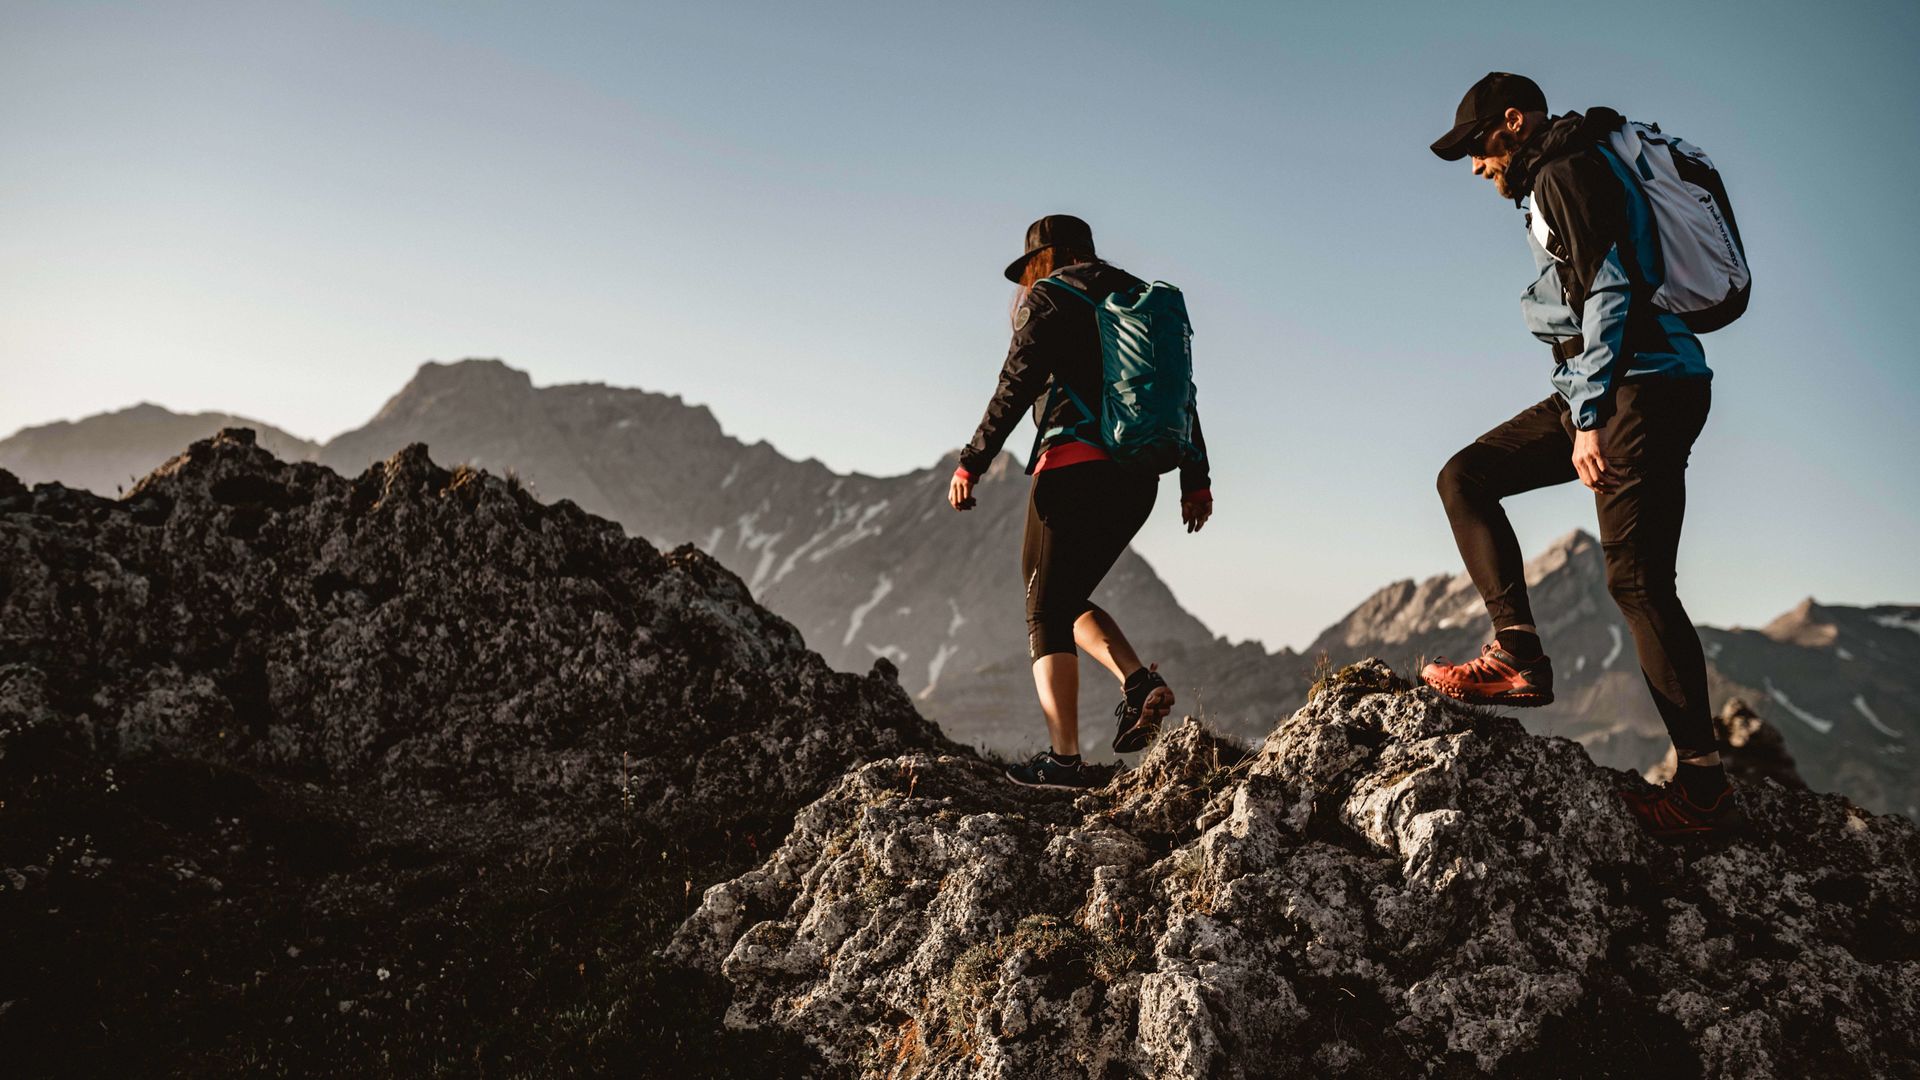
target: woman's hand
960 490
1195 508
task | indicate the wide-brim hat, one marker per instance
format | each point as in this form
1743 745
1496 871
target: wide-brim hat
1486 102
1063 230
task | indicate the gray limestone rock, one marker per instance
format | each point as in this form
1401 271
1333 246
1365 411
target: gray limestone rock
1389 885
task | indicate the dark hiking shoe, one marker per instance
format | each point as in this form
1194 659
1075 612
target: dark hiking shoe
1668 814
1495 677
1148 700
1046 771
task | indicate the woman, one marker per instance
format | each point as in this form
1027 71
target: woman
1083 508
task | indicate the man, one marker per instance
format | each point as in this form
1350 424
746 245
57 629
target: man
1631 394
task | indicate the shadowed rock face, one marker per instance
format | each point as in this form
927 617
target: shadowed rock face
1389 885
405 772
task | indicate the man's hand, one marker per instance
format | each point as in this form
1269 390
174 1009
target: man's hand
1195 508
1590 463
960 491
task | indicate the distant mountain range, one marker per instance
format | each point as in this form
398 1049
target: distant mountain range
878 566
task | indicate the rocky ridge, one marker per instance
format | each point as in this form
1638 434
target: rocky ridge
403 773
870 567
865 566
1842 683
1390 884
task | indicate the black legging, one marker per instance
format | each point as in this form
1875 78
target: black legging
1079 519
1646 444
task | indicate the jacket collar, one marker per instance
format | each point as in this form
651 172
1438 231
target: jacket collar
1562 135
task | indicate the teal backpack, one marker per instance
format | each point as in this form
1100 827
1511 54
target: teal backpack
1146 356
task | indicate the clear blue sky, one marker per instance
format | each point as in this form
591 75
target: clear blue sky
799 217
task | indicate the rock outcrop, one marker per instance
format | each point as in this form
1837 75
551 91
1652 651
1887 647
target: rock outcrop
1840 683
1389 885
405 773
1752 749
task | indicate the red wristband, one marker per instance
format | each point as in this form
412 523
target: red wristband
1198 495
963 474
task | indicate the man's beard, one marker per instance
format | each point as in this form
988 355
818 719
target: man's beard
1504 144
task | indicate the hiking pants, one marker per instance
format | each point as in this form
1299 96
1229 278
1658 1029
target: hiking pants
1646 444
1079 519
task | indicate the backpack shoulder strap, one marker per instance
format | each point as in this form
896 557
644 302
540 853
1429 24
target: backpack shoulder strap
1055 386
1064 285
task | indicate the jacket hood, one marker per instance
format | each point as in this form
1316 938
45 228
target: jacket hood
1563 135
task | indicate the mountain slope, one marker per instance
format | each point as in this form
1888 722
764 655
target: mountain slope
107 453
878 566
865 566
406 774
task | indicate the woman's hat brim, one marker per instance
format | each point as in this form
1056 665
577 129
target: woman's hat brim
1019 265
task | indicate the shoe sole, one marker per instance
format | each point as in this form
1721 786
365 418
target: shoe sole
1517 699
1049 787
1136 738
1142 733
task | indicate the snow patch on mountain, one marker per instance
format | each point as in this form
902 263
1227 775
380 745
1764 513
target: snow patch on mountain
1905 620
1816 723
937 665
862 529
859 615
1860 705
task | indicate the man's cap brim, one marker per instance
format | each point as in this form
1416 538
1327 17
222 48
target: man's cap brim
1457 143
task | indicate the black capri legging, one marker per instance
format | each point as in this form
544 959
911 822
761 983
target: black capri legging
1079 519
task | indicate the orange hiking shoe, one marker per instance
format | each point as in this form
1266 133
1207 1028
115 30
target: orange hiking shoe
1667 813
1495 677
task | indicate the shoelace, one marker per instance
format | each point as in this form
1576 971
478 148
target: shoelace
1484 665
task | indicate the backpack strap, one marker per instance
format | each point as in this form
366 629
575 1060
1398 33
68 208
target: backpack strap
1055 386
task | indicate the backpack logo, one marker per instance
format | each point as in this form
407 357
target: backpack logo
1704 276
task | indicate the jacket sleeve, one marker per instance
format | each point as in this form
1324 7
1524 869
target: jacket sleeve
1193 471
1023 376
1585 206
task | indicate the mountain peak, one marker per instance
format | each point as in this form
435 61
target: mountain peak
487 373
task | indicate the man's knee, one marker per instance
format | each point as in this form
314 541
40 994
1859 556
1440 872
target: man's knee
1633 582
1458 482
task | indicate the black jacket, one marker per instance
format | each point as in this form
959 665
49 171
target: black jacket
1055 337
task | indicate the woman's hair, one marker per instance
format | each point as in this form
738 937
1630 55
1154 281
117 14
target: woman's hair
1043 264
1047 260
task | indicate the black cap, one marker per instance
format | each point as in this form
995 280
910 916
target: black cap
1061 229
1483 107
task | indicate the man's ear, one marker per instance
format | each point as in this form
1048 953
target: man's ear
1514 120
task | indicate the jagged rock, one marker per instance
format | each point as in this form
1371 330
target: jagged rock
279 729
1752 749
1390 885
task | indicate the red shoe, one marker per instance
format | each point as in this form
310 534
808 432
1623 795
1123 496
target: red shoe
1668 813
1495 677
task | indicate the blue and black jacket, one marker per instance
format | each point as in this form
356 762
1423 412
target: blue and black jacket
1598 261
